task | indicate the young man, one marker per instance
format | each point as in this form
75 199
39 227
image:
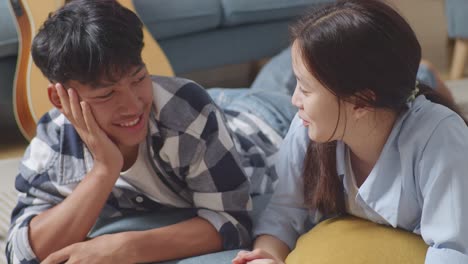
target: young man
121 143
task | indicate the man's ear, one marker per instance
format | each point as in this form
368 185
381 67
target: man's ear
53 96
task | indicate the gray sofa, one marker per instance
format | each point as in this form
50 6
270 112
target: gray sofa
457 21
8 52
204 34
194 34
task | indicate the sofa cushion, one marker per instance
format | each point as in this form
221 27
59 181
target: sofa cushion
247 11
7 75
231 45
457 19
352 240
8 37
166 19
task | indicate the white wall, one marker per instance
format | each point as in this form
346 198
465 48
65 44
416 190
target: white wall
427 17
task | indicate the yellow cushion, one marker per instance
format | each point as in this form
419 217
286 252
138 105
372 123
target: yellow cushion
352 240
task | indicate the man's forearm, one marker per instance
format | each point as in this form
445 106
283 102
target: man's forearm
70 221
188 238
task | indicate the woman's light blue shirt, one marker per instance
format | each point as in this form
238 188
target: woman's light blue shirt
419 183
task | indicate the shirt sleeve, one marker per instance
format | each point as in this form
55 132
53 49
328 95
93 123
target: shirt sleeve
443 184
220 187
37 194
286 216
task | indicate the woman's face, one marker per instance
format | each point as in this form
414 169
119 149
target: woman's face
321 111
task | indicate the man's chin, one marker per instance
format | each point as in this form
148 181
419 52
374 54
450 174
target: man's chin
132 140
127 141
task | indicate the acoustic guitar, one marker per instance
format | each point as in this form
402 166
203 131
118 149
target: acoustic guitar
30 99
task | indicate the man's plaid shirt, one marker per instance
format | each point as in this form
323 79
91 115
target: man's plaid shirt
202 154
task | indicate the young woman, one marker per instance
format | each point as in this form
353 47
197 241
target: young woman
368 140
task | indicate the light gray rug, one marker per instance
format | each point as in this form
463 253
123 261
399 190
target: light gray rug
7 202
8 196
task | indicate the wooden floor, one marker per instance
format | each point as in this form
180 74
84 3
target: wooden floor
12 143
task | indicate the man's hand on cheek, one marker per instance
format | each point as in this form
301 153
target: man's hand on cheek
106 154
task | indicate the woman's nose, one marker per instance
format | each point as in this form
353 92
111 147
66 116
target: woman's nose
296 98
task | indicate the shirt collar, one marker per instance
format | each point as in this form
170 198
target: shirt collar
381 191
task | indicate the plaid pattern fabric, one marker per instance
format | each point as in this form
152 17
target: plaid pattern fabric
203 155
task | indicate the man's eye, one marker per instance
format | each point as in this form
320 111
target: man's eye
142 78
105 96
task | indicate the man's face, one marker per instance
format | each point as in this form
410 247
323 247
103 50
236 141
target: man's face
121 108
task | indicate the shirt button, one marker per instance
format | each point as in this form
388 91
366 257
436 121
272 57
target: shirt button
139 199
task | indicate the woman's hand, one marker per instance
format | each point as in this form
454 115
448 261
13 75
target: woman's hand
106 154
257 256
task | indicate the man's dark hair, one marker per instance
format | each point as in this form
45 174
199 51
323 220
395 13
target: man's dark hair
88 41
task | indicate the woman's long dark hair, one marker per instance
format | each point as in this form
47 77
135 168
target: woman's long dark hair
362 49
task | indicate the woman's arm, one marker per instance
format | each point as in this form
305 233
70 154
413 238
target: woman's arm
273 246
286 217
443 183
267 249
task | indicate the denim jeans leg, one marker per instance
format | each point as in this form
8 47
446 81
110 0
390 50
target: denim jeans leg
223 97
277 75
269 97
273 108
426 76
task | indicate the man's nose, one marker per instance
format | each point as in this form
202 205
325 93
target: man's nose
130 101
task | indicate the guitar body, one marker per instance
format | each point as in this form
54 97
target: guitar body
30 99
29 104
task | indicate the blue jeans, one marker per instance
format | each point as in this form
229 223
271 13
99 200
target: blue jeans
269 98
426 76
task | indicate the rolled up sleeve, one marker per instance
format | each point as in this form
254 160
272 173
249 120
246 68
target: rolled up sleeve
18 249
444 185
286 216
38 190
445 255
33 200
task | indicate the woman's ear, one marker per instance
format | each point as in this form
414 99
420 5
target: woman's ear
360 111
53 96
361 103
